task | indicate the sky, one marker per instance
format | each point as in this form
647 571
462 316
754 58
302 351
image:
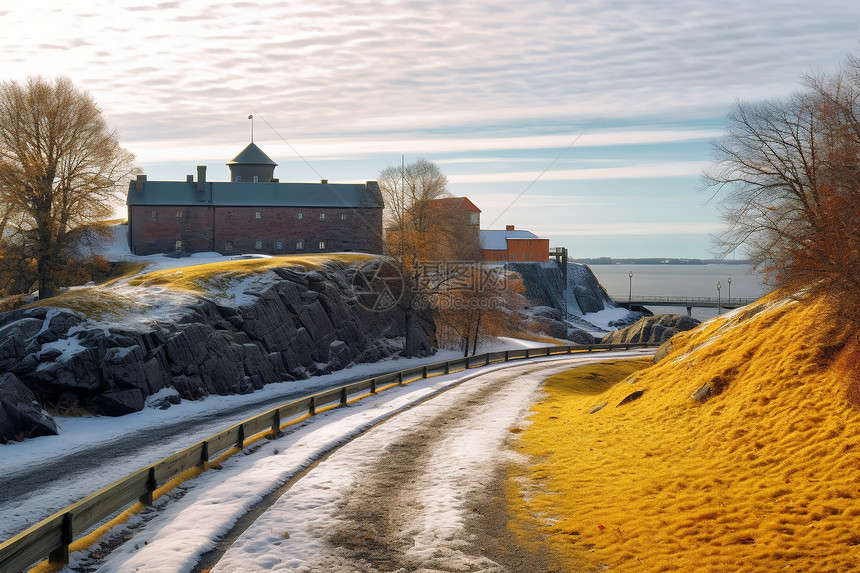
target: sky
587 122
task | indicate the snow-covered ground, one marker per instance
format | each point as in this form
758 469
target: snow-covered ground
173 536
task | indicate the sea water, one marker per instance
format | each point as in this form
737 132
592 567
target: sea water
680 281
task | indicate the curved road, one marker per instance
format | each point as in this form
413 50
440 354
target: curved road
31 493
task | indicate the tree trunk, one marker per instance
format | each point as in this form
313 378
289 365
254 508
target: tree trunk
475 339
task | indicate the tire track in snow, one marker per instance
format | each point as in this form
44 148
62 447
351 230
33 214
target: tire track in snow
406 495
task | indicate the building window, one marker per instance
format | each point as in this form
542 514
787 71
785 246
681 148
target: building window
343 216
257 215
513 256
322 245
298 215
237 179
279 245
322 216
300 245
258 244
179 213
178 245
153 214
228 246
474 218
256 179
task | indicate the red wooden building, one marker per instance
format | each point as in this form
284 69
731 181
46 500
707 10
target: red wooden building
513 245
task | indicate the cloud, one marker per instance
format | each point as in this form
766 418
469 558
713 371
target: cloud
651 228
325 148
640 171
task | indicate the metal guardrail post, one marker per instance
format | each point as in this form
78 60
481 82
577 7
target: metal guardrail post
373 385
240 439
447 367
204 454
312 406
276 421
60 555
344 397
424 372
507 357
487 361
151 486
400 378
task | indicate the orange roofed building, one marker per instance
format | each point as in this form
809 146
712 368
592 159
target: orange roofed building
513 245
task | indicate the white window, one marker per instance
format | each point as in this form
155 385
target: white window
258 244
298 215
228 246
257 215
237 179
178 245
179 213
322 216
153 214
474 218
322 245
256 179
343 216
300 245
279 245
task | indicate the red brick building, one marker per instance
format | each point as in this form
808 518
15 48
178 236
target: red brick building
253 213
513 245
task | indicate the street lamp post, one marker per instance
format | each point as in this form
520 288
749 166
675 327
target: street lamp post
630 293
730 290
719 306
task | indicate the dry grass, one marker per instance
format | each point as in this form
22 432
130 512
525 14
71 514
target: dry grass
762 477
93 302
217 276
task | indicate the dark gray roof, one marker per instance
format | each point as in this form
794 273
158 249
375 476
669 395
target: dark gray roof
251 155
181 193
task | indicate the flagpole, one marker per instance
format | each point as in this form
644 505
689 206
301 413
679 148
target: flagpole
251 117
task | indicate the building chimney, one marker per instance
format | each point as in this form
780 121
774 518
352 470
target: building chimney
189 179
138 183
324 181
201 178
509 227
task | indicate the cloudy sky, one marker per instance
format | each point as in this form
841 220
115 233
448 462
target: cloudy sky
585 121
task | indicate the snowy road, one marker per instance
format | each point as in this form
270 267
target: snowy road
39 477
417 492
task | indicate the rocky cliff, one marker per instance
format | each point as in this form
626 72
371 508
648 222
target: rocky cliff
582 293
560 305
282 324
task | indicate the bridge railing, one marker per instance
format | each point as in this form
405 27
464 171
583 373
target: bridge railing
684 300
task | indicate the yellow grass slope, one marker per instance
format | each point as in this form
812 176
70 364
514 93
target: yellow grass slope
764 476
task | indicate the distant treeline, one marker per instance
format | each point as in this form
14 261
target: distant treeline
658 261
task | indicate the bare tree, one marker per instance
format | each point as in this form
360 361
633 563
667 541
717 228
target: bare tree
788 176
409 218
60 168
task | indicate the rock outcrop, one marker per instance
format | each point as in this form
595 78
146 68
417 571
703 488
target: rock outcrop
544 282
293 324
551 321
20 414
652 329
